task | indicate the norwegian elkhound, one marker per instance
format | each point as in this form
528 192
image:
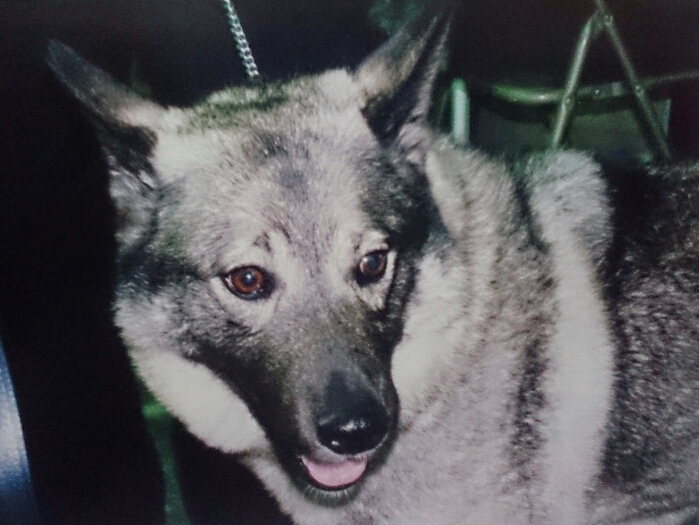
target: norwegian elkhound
390 330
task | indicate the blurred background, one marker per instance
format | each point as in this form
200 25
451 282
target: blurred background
90 449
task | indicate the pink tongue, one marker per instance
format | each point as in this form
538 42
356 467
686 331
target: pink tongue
334 475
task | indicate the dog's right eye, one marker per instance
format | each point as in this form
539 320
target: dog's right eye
372 267
249 282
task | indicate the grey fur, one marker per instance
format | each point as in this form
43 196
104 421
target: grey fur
522 362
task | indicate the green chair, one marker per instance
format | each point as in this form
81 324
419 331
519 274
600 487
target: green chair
564 99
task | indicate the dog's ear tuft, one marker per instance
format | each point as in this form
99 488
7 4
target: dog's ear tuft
101 95
398 78
121 118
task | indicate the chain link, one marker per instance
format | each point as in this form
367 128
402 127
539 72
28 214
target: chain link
241 42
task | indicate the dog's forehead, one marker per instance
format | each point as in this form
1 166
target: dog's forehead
310 206
283 160
268 223
245 128
306 195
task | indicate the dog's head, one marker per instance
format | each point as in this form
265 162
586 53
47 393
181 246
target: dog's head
268 241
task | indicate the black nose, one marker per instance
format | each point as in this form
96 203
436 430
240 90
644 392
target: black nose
353 419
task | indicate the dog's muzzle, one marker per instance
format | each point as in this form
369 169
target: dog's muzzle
352 423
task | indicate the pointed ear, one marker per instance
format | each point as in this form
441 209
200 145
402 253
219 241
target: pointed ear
397 79
122 120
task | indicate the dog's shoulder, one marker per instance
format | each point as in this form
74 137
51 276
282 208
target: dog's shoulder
567 190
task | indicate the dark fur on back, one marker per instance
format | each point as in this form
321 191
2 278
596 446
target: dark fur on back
653 285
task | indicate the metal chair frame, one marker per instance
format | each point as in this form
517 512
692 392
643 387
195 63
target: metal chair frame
601 21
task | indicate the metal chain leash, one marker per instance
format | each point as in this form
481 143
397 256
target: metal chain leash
241 42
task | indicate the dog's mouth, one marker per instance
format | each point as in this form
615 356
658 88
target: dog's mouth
344 434
332 482
335 476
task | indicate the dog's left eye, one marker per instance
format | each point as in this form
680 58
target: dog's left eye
248 282
372 267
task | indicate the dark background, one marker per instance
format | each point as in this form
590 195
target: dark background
89 452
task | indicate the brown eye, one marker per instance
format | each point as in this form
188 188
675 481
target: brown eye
372 267
248 282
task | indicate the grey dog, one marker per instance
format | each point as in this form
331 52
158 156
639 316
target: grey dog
390 330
